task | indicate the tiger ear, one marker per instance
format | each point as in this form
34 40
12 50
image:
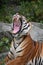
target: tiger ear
30 25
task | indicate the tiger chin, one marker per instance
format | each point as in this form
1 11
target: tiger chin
24 50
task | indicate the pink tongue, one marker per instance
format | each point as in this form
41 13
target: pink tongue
16 29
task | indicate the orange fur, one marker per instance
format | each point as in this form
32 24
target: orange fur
31 49
29 52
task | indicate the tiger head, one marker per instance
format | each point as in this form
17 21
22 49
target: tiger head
20 25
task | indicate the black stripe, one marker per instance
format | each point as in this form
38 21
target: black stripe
32 60
25 28
35 61
18 37
21 42
8 57
19 51
11 52
14 47
26 24
18 44
40 61
22 30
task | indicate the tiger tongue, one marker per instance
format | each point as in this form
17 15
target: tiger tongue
16 29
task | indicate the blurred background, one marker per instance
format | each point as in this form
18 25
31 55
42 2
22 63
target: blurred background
32 9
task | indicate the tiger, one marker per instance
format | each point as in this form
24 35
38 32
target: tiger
23 50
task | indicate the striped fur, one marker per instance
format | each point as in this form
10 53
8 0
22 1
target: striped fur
23 50
30 50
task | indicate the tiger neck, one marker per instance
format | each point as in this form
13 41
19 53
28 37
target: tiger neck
17 41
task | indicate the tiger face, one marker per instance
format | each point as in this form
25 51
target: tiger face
20 25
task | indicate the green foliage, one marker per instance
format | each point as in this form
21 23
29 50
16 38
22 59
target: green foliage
5 15
33 10
2 60
4 44
5 41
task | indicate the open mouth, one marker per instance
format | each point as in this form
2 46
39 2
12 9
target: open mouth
16 27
